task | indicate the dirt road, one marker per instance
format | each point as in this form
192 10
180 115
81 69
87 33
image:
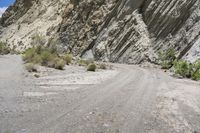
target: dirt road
127 99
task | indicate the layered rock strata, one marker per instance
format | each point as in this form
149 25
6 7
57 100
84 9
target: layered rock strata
126 31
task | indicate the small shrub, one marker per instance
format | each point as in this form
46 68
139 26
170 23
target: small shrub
196 71
196 76
68 58
4 49
52 45
37 59
29 55
83 62
182 68
30 67
59 64
39 55
167 58
13 51
92 67
45 53
165 64
102 66
47 57
39 49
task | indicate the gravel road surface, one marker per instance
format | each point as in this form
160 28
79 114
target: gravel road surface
127 99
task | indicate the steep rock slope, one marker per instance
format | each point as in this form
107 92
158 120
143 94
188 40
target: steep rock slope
14 12
128 31
109 30
21 22
174 23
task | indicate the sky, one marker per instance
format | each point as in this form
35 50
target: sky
4 5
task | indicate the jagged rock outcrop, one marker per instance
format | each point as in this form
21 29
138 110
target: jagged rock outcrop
174 23
14 12
23 24
127 31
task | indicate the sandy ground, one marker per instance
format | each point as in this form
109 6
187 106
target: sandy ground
126 99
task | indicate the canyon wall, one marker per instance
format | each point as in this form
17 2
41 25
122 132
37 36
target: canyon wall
125 31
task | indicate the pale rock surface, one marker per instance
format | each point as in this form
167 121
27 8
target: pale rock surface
125 31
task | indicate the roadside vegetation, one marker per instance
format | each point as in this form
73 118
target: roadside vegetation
4 49
167 58
30 67
44 56
84 62
187 70
68 58
45 53
92 67
180 67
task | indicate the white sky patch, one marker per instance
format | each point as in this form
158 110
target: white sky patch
2 10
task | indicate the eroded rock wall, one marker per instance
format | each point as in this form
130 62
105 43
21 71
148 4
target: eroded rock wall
42 17
14 12
110 30
127 31
174 23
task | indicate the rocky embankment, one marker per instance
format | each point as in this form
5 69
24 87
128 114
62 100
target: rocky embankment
128 31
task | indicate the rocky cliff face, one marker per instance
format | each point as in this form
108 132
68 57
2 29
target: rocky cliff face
128 31
15 12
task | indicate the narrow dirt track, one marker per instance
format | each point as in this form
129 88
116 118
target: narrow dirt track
134 100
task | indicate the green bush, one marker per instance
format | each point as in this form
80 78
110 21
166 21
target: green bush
68 58
167 58
29 54
37 59
166 65
44 57
91 67
59 64
83 62
31 67
196 71
45 53
4 49
182 68
196 76
47 58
